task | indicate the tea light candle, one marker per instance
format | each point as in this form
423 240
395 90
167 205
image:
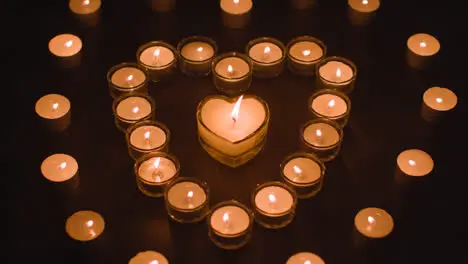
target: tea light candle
84 7
149 257
155 171
421 48
230 225
59 168
85 225
415 162
65 45
187 200
304 172
436 102
159 58
126 78
232 131
331 105
361 11
305 258
147 136
304 53
337 73
196 54
267 56
275 204
322 137
373 222
55 111
236 13
232 73
132 108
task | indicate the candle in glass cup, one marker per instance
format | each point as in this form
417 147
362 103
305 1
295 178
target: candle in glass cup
149 257
55 111
85 225
159 58
196 54
146 137
373 223
127 78
305 258
66 48
437 101
422 48
330 104
336 73
361 11
304 53
236 13
132 108
232 73
322 137
267 56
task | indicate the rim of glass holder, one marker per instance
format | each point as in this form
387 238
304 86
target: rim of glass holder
303 155
330 122
119 99
151 155
334 92
222 56
233 100
275 41
158 124
310 39
280 184
190 39
119 66
202 184
152 44
340 59
231 203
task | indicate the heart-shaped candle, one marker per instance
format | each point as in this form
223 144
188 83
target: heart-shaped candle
232 130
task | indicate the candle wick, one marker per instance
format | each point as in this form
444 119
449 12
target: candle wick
227 223
189 199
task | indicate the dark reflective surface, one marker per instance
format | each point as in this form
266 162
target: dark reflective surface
384 121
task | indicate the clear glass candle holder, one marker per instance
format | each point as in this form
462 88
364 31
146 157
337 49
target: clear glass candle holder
154 171
159 58
330 104
232 73
322 137
146 137
232 153
267 55
142 103
274 204
127 78
187 200
304 172
336 73
304 53
230 224
196 54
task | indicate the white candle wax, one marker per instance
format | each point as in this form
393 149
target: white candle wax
148 137
157 170
197 51
128 77
133 108
321 135
305 258
65 45
236 7
52 106
157 56
415 162
186 195
364 6
84 7
84 225
374 222
265 52
59 167
274 200
302 170
423 44
336 72
229 220
440 99
306 51
148 257
232 68
329 105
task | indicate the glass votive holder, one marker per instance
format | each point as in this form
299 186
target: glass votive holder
304 53
274 204
323 137
132 108
159 58
154 171
230 224
236 13
330 104
127 78
336 73
146 137
196 54
232 73
187 200
218 117
437 102
304 172
267 55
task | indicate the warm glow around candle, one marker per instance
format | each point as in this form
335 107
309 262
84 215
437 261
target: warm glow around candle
412 162
332 103
297 170
365 2
306 52
55 106
147 135
338 73
69 43
200 49
90 223
235 1
371 220
318 132
229 69
422 44
129 78
307 262
272 198
439 100
85 2
156 52
154 262
266 50
62 165
136 109
235 110
190 195
226 218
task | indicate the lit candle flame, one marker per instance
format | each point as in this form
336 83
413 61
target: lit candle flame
226 217
267 50
422 44
156 52
235 1
412 162
135 109
338 73
318 132
147 135
85 2
130 77
439 100
156 162
306 52
190 195
365 2
332 103
200 49
272 198
55 106
63 165
297 170
229 69
307 262
154 262
371 220
90 223
235 110
69 43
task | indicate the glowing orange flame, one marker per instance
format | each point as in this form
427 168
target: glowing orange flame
306 52
156 162
297 170
272 198
235 110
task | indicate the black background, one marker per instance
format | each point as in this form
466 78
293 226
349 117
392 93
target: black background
430 217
